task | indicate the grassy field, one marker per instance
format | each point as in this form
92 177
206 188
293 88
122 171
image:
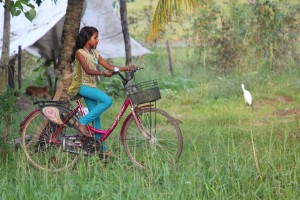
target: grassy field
230 151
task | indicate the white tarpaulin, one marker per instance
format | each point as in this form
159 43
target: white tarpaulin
43 34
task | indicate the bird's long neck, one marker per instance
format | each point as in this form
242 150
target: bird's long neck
243 88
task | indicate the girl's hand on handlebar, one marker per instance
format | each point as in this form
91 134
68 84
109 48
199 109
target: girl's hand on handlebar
132 67
107 74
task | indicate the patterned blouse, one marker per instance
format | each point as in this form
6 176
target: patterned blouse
81 77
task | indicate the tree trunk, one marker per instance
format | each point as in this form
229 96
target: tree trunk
20 68
4 64
5 49
123 12
48 74
11 72
170 58
70 31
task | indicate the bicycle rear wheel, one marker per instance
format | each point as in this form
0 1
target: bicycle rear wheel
159 141
39 152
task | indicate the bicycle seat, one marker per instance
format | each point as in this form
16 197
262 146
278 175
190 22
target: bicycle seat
74 98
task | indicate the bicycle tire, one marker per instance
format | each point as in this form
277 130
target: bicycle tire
166 141
39 152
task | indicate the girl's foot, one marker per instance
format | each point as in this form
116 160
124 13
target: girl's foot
83 130
108 154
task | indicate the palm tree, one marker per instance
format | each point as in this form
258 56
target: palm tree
163 14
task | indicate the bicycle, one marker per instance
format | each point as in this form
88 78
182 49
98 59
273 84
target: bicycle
52 142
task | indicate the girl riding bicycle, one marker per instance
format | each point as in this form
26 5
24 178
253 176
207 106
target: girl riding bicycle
86 58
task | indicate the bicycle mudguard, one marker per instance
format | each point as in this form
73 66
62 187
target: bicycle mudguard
52 111
55 113
26 118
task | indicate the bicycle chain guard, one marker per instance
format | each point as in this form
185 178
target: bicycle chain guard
81 145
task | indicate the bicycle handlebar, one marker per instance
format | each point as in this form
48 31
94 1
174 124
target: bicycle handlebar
126 80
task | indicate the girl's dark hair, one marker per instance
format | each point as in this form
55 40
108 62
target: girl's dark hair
84 35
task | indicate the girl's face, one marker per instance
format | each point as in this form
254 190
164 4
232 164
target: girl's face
93 41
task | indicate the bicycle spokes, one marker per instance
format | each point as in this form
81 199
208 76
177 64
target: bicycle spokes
42 153
159 139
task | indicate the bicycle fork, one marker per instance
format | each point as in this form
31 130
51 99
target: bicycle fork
147 134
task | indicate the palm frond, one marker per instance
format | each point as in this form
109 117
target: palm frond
164 13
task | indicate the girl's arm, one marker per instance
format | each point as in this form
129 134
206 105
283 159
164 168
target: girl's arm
111 67
86 67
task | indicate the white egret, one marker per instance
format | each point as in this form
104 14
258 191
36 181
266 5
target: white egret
247 96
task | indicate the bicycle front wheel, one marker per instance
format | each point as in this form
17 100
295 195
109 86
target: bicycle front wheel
158 140
39 152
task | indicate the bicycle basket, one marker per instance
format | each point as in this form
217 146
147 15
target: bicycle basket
143 92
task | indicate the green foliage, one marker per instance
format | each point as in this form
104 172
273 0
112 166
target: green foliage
243 34
30 15
176 83
7 114
7 106
113 87
19 6
40 74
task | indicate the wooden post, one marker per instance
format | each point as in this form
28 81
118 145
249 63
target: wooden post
20 68
170 59
11 73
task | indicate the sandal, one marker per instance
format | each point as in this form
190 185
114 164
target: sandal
82 128
108 154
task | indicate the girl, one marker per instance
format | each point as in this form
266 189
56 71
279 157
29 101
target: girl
86 59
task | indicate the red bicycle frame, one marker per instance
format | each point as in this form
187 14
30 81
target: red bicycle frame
107 132
91 129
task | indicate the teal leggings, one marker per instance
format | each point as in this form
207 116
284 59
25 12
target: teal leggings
97 102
